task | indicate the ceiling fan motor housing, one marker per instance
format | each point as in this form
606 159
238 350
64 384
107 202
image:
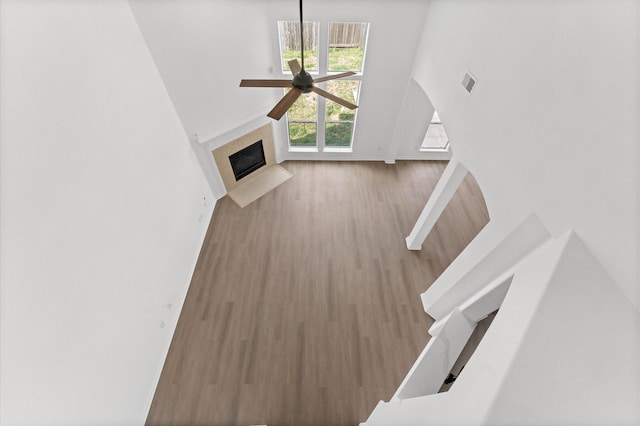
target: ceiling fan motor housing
303 81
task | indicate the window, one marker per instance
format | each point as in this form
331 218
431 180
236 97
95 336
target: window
289 32
316 123
346 46
338 119
436 138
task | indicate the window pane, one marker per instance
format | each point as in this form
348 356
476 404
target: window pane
436 137
302 134
304 109
290 43
346 45
302 118
338 134
347 90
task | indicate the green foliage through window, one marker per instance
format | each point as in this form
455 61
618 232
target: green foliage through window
310 59
338 134
345 58
302 134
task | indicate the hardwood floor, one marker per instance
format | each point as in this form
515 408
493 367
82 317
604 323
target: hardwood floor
304 307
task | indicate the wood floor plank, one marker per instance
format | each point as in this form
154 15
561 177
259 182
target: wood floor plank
304 306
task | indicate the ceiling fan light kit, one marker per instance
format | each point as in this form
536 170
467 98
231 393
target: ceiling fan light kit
302 82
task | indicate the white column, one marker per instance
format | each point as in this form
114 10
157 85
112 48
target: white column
442 193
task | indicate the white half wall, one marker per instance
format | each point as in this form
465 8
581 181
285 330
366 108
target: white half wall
103 211
445 189
559 352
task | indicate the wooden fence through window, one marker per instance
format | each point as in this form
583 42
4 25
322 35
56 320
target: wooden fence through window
341 34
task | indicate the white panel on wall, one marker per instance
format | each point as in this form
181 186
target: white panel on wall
103 211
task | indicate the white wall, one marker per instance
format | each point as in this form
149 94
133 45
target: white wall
552 126
577 362
203 50
103 212
394 31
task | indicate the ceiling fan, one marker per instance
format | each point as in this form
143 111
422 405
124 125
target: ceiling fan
302 83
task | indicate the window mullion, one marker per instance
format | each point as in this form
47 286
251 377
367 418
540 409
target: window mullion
322 107
323 54
323 48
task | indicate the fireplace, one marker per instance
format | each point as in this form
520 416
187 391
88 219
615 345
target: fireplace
247 160
248 168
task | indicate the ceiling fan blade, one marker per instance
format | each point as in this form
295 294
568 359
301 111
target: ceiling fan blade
265 83
334 76
294 66
334 98
285 103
